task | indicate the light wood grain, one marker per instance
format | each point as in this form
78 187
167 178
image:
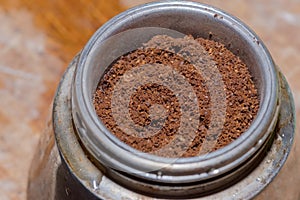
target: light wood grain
38 39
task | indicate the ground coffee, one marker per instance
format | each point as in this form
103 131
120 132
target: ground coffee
241 96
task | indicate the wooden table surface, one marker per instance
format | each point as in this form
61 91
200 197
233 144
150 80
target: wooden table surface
39 38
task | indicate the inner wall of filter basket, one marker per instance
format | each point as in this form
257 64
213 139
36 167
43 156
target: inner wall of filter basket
204 25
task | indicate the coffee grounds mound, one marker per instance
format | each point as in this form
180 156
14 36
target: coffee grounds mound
241 96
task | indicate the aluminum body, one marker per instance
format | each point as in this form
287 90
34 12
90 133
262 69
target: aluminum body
81 165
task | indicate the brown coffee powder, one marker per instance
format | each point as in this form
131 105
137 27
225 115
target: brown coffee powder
241 97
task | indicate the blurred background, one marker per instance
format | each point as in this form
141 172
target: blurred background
39 38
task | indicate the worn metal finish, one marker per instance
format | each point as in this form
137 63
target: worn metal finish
86 166
76 177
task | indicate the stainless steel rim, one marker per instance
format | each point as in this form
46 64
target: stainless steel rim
96 138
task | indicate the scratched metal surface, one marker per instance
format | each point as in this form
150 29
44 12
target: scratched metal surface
32 60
